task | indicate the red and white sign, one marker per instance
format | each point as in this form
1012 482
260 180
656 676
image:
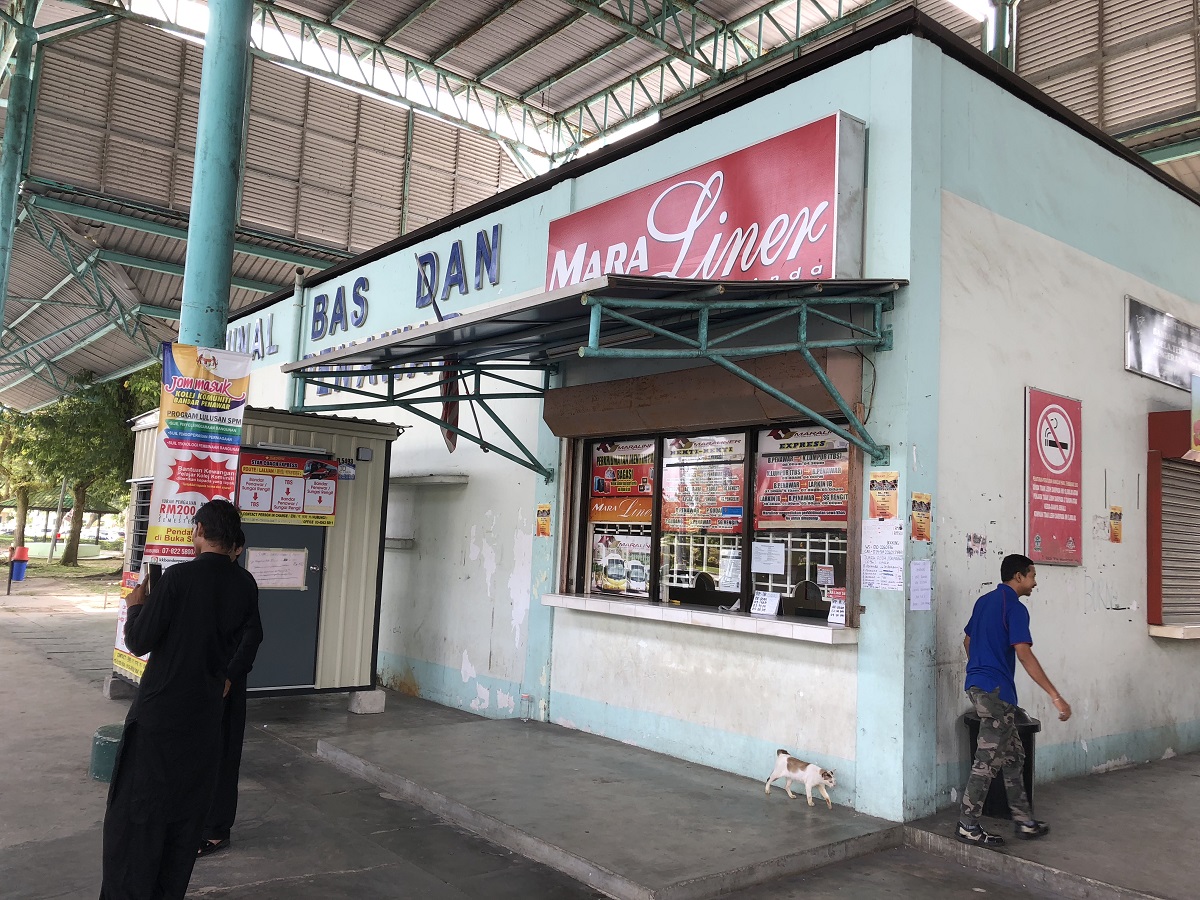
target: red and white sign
254 492
771 211
288 490
1054 470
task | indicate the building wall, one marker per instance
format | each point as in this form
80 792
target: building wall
1042 234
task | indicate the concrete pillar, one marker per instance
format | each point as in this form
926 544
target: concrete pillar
218 170
16 129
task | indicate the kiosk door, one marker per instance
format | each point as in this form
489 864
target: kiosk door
287 657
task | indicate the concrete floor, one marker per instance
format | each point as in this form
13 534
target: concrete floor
641 824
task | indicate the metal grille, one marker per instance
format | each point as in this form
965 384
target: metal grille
1180 543
140 524
685 556
806 549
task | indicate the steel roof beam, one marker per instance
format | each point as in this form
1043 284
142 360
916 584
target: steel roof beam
149 310
314 47
464 36
593 116
1172 152
111 217
594 56
650 34
530 45
340 10
407 20
170 268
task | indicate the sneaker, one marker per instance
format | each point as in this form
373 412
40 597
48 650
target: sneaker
1028 831
976 835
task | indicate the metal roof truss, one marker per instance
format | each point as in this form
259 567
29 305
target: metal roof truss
478 384
767 310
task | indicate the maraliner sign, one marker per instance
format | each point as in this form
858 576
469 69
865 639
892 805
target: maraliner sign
787 208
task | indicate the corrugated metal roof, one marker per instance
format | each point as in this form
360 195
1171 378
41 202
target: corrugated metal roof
330 168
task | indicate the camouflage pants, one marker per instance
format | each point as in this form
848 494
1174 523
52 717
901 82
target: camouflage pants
999 751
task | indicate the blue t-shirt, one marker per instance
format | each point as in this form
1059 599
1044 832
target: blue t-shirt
999 622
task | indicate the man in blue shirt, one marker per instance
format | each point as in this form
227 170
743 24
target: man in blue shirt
996 637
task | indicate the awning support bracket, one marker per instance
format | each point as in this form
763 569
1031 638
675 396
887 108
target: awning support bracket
470 378
770 310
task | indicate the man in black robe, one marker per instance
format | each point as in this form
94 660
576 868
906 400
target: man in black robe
167 762
219 821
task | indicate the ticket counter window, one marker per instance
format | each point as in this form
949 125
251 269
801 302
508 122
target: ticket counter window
702 518
801 507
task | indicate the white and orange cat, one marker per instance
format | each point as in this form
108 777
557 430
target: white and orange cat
808 774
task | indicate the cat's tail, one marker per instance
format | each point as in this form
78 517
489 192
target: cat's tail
782 753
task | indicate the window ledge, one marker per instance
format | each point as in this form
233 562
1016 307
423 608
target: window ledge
815 632
1176 632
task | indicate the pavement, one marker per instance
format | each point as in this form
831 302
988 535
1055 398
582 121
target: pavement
424 801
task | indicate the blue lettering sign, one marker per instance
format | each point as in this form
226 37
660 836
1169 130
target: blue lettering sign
427 278
338 315
319 321
455 277
358 315
487 257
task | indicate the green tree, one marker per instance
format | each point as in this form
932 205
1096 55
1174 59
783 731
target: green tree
85 438
18 476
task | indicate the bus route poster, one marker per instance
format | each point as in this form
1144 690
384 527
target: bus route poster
802 479
703 484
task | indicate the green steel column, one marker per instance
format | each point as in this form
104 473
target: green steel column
207 273
1004 34
16 127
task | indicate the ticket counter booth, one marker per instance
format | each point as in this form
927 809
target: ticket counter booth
313 496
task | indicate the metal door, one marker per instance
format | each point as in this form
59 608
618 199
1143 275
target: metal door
290 616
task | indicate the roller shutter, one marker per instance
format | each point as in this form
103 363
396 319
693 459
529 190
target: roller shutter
1180 542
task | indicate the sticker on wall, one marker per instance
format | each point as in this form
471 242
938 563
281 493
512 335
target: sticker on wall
1114 524
922 517
885 495
976 544
347 469
543 520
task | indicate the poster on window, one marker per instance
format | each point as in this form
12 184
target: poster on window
623 468
703 484
802 479
1054 470
621 563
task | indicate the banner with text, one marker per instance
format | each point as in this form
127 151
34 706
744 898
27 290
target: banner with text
199 433
1054 474
290 490
802 479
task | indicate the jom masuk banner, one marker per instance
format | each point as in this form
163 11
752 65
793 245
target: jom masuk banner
199 434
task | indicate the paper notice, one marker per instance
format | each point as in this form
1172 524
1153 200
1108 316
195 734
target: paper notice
922 521
883 554
1114 524
884 488
767 558
766 603
824 575
920 584
277 569
837 606
730 577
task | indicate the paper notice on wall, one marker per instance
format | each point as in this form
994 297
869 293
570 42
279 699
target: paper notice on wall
766 603
920 584
767 558
543 520
883 554
279 569
884 489
1114 524
837 606
922 522
824 575
730 578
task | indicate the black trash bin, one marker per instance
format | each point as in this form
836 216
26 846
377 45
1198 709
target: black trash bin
996 802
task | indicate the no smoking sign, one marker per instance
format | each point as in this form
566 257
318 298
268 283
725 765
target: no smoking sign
1056 439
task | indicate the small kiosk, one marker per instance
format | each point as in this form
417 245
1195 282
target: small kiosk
313 495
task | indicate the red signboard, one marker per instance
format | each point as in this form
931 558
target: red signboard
702 484
1054 470
768 211
623 468
803 479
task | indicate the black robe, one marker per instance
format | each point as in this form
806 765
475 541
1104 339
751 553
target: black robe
167 762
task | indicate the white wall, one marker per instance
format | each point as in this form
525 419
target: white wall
721 698
1022 309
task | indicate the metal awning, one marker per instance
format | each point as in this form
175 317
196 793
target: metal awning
613 317
545 324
